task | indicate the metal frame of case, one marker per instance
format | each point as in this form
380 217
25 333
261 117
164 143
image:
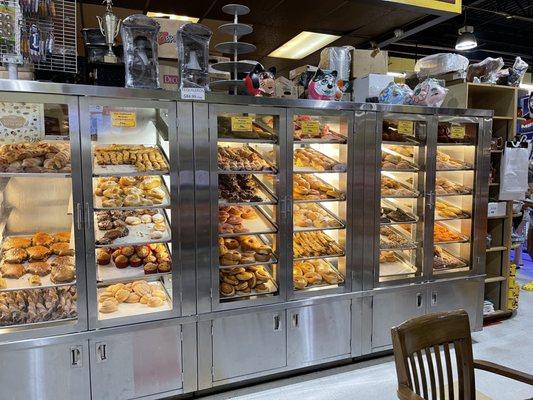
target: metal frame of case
206 330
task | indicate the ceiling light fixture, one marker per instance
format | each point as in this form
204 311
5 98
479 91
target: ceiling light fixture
466 39
175 17
302 45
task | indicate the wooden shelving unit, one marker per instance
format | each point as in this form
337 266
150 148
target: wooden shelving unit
503 101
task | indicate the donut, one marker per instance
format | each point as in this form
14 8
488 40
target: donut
249 213
234 220
297 271
244 276
262 275
231 244
231 280
312 278
299 282
235 271
249 243
248 257
263 253
331 277
235 210
261 288
232 257
227 290
307 267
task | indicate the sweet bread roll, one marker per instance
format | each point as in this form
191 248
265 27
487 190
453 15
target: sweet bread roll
232 257
133 220
262 288
313 278
111 203
263 253
121 295
132 200
230 280
40 268
12 271
142 289
155 302
156 193
127 181
16 242
42 239
113 193
63 237
159 293
331 277
63 261
248 257
262 274
150 183
231 244
62 274
299 282
15 255
108 306
62 249
227 290
133 298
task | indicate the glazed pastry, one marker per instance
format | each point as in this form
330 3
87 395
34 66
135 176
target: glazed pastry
121 295
12 271
34 280
133 220
63 261
231 244
43 239
108 306
62 274
310 244
227 290
40 268
299 282
158 219
155 302
150 183
15 255
309 157
103 257
62 249
263 253
247 257
232 257
3 283
16 242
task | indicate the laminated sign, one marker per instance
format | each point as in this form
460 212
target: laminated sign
241 124
311 128
122 119
457 132
406 127
21 122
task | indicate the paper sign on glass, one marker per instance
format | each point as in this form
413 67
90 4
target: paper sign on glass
241 124
457 132
123 119
406 127
311 128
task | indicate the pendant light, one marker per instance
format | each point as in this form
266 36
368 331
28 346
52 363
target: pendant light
466 39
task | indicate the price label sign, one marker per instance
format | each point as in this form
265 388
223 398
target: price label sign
406 127
122 119
193 93
457 132
241 124
311 128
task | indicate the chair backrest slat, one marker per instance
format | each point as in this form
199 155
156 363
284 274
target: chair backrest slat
460 364
414 370
431 373
422 373
440 376
449 373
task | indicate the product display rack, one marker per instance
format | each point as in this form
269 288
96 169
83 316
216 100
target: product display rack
195 341
503 100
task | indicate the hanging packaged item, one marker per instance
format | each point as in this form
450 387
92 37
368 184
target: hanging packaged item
338 59
139 38
514 170
396 93
441 63
429 93
192 41
485 71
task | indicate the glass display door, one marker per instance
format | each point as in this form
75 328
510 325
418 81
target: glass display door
401 158
319 208
129 149
42 279
247 205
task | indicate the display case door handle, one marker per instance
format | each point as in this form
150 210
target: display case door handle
433 298
75 356
101 352
431 200
277 323
283 206
87 216
419 300
79 216
295 320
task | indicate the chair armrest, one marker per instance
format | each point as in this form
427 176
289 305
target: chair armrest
404 393
504 371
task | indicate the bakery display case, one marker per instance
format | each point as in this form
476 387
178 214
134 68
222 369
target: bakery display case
319 207
42 279
401 159
132 255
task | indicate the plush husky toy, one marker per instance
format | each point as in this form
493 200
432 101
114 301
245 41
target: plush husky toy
260 82
324 86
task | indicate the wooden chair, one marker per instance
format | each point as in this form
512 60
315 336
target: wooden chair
424 338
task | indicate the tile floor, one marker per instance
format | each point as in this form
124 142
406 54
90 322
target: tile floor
509 343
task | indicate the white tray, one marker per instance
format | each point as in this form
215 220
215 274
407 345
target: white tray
132 309
261 224
97 201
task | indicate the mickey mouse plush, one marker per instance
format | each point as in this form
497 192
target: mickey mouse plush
260 82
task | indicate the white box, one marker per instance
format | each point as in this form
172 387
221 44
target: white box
166 39
370 86
365 62
497 209
285 88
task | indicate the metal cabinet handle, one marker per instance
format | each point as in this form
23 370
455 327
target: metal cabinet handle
431 200
295 320
101 352
433 298
75 356
277 323
87 216
419 300
283 207
79 212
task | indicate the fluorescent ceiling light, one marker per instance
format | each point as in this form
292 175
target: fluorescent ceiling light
396 74
302 45
466 39
184 18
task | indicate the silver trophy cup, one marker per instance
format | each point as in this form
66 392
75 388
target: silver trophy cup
110 27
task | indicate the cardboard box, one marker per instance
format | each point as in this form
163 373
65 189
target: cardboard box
363 63
286 89
166 39
295 73
370 86
168 75
497 209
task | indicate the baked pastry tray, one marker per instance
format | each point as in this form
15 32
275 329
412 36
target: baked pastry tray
97 201
386 244
462 239
324 285
132 309
340 224
455 193
273 259
409 141
439 217
127 169
390 204
260 225
460 265
342 197
272 171
261 190
397 268
413 195
272 288
35 175
336 138
341 167
138 234
272 136
324 256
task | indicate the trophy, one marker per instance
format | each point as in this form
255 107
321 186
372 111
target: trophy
110 27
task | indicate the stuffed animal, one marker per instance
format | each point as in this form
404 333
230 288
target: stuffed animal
260 82
324 86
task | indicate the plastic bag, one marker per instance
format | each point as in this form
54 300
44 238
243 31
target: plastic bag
441 63
429 93
517 72
396 93
337 59
192 41
485 71
514 170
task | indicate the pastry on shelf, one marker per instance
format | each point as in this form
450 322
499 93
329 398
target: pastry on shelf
231 219
112 192
407 151
314 273
152 258
446 162
11 270
244 281
37 305
238 188
443 234
443 260
444 134
448 211
390 238
307 215
140 291
391 187
241 159
444 186
394 162
143 158
243 250
35 157
324 132
309 187
314 244
389 215
387 257
391 133
310 158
